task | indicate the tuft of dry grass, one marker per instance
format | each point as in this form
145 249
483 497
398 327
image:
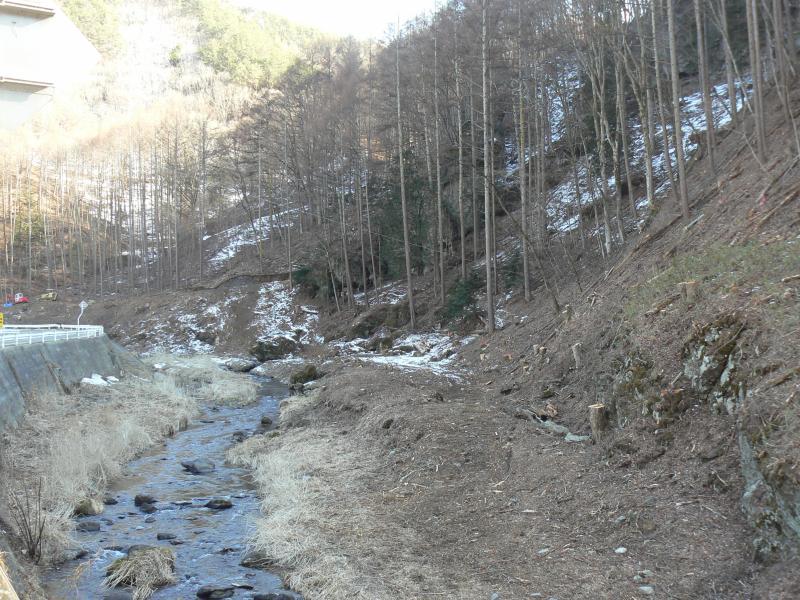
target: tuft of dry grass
207 380
145 569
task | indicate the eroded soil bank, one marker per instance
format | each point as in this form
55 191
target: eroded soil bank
182 477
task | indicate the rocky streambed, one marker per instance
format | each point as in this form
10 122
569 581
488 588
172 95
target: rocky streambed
182 503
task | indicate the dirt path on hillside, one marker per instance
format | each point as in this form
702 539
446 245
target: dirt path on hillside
465 500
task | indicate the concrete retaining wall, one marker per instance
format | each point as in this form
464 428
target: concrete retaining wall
57 367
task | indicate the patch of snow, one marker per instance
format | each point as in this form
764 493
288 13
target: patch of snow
248 234
95 379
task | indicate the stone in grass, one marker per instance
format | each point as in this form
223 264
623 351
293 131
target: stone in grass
88 526
219 504
215 592
306 374
89 507
255 559
198 467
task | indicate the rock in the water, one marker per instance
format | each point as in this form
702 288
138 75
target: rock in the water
256 560
266 420
89 507
215 592
238 436
240 365
109 500
274 348
279 595
140 499
150 520
219 504
198 467
118 595
165 536
88 526
147 509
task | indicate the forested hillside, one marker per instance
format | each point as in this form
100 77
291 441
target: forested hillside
531 268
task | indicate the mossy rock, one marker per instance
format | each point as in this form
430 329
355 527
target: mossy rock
308 373
710 359
391 316
274 348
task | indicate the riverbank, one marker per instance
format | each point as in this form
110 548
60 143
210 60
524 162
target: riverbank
386 484
69 453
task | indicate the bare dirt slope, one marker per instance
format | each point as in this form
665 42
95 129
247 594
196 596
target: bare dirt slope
696 478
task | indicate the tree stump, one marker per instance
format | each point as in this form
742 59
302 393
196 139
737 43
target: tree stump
577 353
598 420
689 290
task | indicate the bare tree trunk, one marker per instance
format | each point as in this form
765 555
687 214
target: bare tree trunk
406 240
705 84
487 133
521 160
460 120
439 232
683 190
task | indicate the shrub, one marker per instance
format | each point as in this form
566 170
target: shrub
461 297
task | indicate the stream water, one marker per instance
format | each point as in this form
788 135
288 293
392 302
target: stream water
209 544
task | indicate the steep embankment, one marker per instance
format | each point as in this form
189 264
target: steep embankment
686 345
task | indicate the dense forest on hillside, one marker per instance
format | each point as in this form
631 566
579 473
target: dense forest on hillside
578 120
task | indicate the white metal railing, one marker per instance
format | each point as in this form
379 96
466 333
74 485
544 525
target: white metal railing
23 335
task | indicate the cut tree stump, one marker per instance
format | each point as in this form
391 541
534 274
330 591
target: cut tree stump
577 353
599 421
690 290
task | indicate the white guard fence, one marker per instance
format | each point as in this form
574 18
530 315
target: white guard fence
23 335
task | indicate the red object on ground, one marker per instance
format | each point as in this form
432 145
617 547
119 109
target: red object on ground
21 300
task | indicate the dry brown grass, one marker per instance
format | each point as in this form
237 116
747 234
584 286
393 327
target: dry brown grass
320 522
207 380
67 448
146 569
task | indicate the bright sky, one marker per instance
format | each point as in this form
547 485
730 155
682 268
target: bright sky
361 18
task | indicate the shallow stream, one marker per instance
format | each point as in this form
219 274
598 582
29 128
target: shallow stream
209 545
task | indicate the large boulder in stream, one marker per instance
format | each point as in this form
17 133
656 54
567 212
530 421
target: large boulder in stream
240 365
274 348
